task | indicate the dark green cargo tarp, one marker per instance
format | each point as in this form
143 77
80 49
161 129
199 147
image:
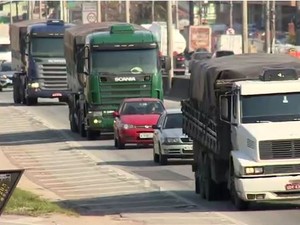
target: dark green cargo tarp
205 73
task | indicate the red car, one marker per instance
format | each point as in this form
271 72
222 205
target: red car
134 121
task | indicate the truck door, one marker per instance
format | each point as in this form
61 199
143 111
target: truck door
234 120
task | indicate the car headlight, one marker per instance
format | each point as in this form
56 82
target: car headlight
34 85
253 170
172 140
127 126
3 77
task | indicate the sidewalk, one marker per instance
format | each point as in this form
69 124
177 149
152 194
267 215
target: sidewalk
59 219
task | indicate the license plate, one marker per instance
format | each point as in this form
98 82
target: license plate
56 95
188 148
146 135
290 187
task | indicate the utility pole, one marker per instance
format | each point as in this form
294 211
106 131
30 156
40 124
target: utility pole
191 9
176 14
10 10
127 6
273 25
61 10
153 11
245 26
29 10
267 27
231 15
99 15
40 10
170 42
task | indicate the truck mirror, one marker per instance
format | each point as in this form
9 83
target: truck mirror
167 63
224 108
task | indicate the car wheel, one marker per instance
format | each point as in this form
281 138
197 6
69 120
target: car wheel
120 144
163 159
155 155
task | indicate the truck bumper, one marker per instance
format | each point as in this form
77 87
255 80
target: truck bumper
267 188
102 124
38 93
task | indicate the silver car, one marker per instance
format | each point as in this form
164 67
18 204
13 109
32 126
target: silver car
6 75
169 140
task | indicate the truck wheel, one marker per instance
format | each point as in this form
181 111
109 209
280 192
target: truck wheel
73 125
197 183
1 89
92 135
17 96
235 199
31 101
81 125
209 185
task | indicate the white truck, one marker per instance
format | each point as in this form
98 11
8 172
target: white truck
228 42
5 52
243 115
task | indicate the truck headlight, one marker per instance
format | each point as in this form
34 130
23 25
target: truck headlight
253 170
95 113
127 126
172 140
34 85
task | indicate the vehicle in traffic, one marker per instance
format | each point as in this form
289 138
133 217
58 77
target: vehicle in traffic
106 63
197 56
243 117
6 75
38 55
179 64
169 140
222 53
134 121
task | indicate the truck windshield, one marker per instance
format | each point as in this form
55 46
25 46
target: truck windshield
270 108
47 47
4 47
125 60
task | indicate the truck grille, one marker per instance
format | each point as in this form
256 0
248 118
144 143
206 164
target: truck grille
282 169
281 149
53 77
115 92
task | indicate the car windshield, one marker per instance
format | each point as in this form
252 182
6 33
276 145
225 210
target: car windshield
4 47
47 47
5 67
144 60
273 107
135 108
173 121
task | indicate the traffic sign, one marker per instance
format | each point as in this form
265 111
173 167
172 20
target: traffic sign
89 12
8 182
230 31
91 17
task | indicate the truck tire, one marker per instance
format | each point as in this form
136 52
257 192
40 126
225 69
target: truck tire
16 95
73 125
31 101
81 125
235 199
210 188
1 89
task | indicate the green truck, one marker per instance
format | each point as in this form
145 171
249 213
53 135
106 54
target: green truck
107 62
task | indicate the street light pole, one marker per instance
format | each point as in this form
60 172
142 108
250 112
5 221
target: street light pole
273 25
231 15
245 26
127 6
170 42
267 27
99 15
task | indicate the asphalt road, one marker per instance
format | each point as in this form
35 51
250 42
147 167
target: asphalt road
177 176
